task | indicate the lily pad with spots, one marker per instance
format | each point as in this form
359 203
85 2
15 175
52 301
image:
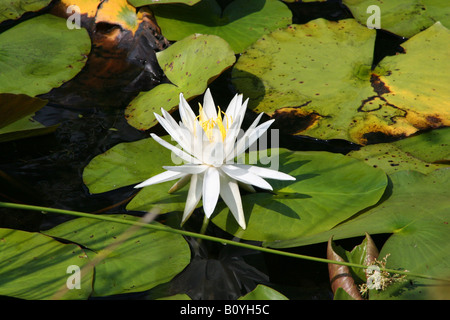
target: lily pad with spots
34 266
328 90
141 261
37 68
328 190
240 23
190 65
402 17
425 153
14 9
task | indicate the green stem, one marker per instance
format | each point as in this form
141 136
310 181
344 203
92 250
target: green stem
204 225
160 227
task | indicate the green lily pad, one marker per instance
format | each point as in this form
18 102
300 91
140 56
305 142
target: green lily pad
131 163
329 189
17 117
262 292
41 54
403 17
417 213
425 152
13 9
328 91
190 65
35 267
411 198
14 107
416 210
145 259
241 22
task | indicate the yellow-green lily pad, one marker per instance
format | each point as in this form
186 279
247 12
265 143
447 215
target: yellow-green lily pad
327 90
14 9
34 266
402 17
17 121
425 153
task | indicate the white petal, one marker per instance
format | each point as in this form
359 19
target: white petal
180 153
187 168
233 109
231 153
265 172
240 113
249 138
229 192
193 197
213 153
162 177
175 132
208 105
211 190
245 176
186 113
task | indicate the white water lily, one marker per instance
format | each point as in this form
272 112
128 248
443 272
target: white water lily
209 144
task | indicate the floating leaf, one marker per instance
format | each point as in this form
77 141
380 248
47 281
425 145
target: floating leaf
190 65
17 117
131 163
14 107
328 190
41 54
145 259
14 9
328 91
241 22
35 267
404 18
262 292
425 152
412 198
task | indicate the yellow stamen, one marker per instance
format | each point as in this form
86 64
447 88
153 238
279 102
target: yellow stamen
209 124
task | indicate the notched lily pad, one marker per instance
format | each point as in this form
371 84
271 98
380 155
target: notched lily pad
404 18
143 260
190 65
14 9
17 121
240 23
328 90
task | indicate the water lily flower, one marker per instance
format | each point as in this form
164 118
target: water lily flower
209 143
